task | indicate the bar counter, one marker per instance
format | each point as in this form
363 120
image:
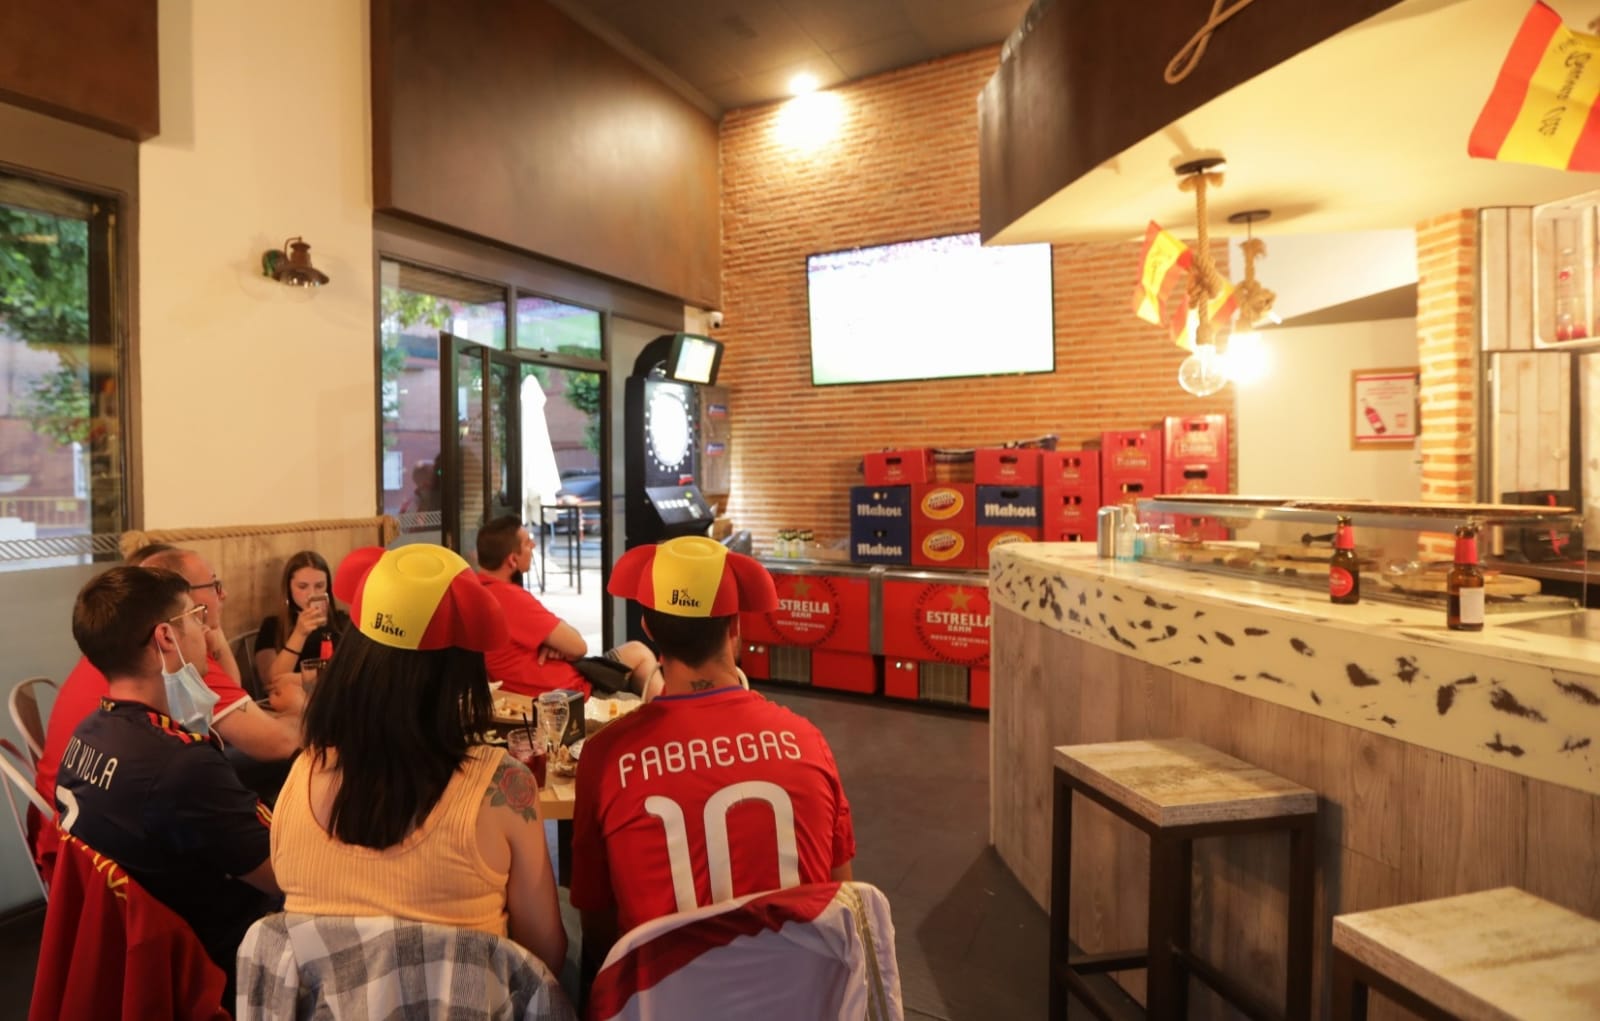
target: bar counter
1445 761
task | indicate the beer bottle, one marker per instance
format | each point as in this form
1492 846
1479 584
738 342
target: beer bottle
1465 584
1344 570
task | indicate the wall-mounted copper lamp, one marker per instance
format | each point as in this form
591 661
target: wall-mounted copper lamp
292 265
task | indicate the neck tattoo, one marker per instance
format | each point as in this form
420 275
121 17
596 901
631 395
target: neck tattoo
700 684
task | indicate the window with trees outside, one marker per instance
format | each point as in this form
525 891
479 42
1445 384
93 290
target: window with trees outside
62 430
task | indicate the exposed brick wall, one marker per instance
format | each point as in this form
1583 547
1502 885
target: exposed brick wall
1447 345
904 167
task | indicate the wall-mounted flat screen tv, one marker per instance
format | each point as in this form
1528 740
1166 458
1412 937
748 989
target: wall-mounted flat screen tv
938 308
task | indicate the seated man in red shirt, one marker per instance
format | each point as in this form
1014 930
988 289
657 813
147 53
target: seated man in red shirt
235 718
710 791
543 647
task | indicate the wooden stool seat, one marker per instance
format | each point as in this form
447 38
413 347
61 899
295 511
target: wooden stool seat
1183 783
1176 792
1498 954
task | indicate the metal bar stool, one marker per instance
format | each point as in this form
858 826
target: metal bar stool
1177 792
1497 954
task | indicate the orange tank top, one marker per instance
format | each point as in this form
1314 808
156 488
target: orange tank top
436 874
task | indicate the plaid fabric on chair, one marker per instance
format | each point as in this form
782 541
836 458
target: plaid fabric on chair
331 967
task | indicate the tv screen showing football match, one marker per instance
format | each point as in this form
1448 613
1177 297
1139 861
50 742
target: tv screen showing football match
937 308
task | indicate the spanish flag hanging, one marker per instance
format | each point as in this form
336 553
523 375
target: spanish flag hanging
1162 255
1542 109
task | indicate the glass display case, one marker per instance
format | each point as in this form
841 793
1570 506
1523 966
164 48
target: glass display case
1532 558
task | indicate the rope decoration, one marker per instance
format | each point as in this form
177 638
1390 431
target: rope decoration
1188 58
1255 301
1205 282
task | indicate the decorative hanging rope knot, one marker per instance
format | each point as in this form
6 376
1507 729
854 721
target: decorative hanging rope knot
1205 282
1189 57
1255 301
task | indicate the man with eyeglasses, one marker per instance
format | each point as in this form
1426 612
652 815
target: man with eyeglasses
153 795
236 718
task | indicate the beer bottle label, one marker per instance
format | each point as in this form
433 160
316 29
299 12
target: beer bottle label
1471 605
1340 582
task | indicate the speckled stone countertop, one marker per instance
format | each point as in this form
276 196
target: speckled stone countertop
1518 700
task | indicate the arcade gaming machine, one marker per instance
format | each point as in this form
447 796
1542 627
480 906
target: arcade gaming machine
661 418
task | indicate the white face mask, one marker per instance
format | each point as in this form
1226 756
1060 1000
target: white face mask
189 701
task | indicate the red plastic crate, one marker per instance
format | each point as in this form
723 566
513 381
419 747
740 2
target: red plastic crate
1006 466
1195 477
1125 452
1079 468
992 536
1196 438
898 467
943 525
1069 509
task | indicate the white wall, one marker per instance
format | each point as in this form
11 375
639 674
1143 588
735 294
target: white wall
1308 272
257 400
1294 426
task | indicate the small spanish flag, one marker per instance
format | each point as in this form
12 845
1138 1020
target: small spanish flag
1542 109
1161 256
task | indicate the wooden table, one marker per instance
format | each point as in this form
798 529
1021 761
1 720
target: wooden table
555 797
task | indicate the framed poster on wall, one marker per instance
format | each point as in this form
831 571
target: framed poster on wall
1383 408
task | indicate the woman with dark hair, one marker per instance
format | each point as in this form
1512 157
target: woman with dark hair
308 618
395 809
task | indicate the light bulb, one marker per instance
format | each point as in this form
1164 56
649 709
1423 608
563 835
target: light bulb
1202 372
1247 359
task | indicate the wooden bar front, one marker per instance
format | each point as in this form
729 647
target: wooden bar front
1398 822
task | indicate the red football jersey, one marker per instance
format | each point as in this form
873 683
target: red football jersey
696 799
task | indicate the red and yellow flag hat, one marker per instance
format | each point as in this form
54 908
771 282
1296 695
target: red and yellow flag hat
419 597
693 576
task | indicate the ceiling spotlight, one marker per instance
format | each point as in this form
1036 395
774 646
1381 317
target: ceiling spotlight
292 265
803 83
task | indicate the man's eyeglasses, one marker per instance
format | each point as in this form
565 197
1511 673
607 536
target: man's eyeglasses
197 608
215 583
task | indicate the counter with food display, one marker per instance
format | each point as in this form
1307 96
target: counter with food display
1445 761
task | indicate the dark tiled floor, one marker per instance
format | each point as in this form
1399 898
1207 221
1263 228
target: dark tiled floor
971 943
19 954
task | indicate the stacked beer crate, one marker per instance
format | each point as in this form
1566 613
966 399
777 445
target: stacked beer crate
1196 461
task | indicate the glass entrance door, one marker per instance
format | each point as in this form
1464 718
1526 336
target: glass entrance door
482 466
524 438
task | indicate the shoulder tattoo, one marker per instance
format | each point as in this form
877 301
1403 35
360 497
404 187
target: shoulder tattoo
512 786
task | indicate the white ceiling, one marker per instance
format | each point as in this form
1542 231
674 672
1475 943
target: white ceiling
723 54
1365 131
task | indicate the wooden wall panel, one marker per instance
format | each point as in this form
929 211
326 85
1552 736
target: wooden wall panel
1397 822
1064 101
93 62
511 122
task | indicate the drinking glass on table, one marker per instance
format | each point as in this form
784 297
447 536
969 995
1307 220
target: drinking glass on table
310 670
554 708
528 748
